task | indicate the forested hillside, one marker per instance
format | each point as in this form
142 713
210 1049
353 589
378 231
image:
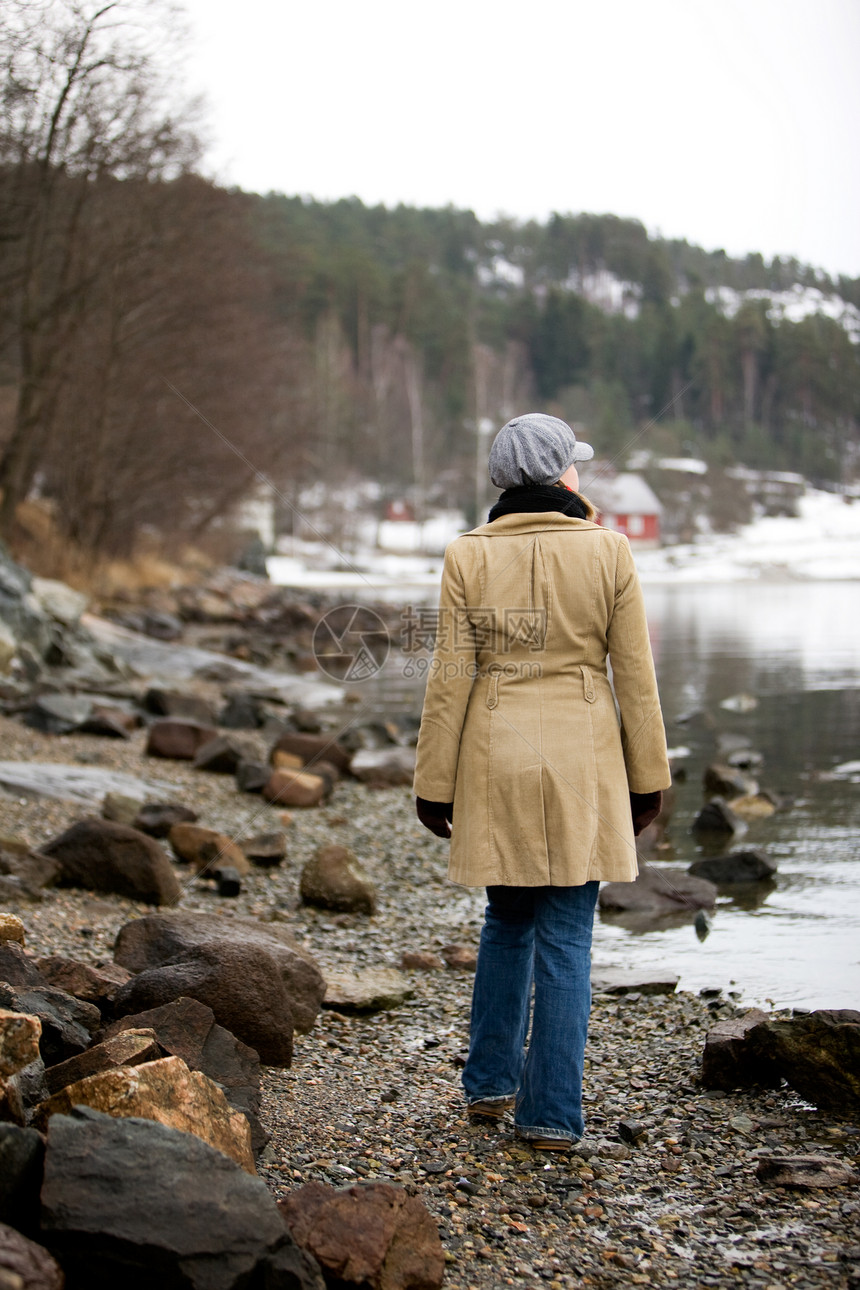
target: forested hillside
164 343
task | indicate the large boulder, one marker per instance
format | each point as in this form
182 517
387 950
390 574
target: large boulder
819 1055
334 879
240 983
187 1029
102 856
132 1203
741 866
728 1060
376 1237
17 967
160 938
659 891
164 1090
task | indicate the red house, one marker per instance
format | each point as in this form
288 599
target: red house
626 504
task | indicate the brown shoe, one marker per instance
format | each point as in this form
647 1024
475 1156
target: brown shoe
562 1145
489 1108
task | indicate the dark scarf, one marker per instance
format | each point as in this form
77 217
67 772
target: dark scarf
539 497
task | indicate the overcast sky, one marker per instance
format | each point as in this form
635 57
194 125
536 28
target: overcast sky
732 123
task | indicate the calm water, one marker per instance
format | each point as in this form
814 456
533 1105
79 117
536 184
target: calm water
795 647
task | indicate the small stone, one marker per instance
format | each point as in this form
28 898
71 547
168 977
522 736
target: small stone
177 739
158 818
334 879
420 961
463 957
11 928
229 882
805 1172
294 788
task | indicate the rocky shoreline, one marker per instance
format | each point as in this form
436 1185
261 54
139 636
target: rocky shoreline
662 1190
674 1183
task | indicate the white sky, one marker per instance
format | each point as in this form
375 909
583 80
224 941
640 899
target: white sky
732 123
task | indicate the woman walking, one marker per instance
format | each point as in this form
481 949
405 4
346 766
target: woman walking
524 761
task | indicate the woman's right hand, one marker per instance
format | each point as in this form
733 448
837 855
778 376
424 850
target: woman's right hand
435 816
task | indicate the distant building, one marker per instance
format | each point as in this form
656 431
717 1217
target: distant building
400 511
626 504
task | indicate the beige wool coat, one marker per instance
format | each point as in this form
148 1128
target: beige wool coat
519 727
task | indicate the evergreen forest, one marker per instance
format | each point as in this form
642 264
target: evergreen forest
165 344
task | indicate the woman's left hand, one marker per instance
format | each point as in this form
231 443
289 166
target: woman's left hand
435 816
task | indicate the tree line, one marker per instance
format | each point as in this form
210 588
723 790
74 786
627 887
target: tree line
164 342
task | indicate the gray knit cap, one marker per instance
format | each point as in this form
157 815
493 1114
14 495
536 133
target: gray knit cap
534 449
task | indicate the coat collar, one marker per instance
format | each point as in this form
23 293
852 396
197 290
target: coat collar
522 523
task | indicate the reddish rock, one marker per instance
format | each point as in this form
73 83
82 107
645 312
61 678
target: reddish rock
464 957
207 849
165 1091
178 739
94 985
374 1236
420 961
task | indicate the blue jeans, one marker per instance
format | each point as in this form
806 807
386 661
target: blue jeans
540 934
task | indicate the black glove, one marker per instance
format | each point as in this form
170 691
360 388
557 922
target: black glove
435 816
645 807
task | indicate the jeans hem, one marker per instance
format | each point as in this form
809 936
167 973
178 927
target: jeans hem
529 1131
494 1099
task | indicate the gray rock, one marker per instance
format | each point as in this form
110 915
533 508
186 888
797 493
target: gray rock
373 990
729 1060
717 817
741 866
805 1172
22 1156
266 850
58 714
819 1055
132 1203
161 626
162 938
629 981
241 711
158 818
16 966
68 1024
219 755
659 891
252 776
722 780
102 856
85 784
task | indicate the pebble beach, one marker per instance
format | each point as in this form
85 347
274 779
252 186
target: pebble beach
662 1190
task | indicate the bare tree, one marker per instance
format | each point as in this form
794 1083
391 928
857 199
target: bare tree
84 93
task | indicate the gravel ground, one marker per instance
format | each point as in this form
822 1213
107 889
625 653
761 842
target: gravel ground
378 1097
